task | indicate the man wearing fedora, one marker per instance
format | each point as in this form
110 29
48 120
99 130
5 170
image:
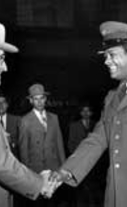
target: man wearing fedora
14 175
111 131
41 144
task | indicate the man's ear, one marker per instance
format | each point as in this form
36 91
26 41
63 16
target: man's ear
30 100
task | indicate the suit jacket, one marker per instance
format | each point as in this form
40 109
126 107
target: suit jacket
110 131
41 150
15 175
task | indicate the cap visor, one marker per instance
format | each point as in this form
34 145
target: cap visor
8 47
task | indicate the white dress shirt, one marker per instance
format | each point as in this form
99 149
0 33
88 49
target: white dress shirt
4 120
42 116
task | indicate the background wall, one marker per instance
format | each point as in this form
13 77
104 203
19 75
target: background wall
58 43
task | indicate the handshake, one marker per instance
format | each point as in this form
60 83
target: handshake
53 180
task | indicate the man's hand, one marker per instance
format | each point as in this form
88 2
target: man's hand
60 176
53 180
46 190
50 183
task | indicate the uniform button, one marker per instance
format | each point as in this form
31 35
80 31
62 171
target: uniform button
117 165
116 151
118 122
117 136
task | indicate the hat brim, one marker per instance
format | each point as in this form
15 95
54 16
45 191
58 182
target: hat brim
7 47
44 94
111 43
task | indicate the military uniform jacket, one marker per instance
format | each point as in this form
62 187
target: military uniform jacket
111 131
41 150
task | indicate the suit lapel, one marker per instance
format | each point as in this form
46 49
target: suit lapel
35 118
7 122
48 120
37 121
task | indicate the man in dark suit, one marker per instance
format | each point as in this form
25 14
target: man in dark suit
111 131
40 139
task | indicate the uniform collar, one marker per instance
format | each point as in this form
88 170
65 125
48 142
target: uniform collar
123 103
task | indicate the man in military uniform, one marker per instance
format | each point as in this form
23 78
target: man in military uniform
111 131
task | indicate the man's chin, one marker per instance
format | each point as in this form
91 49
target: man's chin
117 77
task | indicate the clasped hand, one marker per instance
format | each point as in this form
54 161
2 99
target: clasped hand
53 180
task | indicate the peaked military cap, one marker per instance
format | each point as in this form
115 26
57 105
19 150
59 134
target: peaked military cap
113 34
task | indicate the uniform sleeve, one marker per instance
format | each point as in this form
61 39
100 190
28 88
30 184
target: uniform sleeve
60 143
87 154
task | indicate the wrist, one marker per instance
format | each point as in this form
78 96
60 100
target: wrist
65 175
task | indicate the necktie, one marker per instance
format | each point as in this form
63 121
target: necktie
44 121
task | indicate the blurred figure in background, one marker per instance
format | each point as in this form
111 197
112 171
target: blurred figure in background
10 123
79 129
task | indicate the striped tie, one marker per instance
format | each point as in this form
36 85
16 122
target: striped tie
44 121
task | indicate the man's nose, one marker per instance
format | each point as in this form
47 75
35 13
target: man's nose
4 65
107 60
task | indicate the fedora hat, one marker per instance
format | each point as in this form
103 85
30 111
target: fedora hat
7 47
37 89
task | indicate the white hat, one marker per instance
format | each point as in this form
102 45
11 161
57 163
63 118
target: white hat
7 47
